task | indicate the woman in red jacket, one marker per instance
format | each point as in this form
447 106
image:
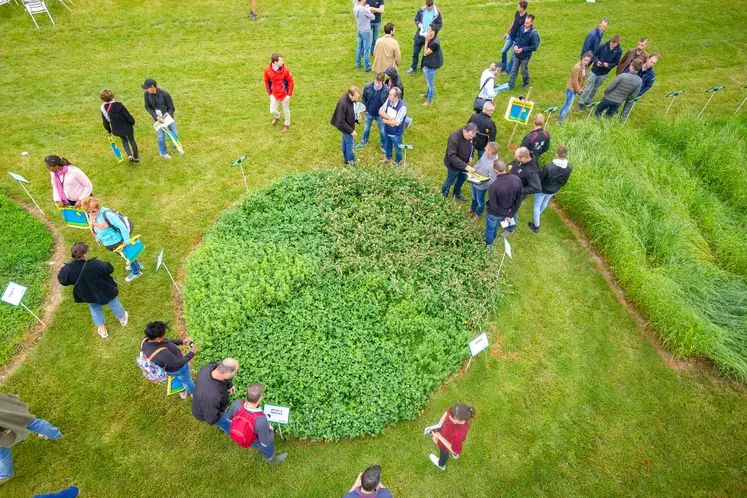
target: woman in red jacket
454 425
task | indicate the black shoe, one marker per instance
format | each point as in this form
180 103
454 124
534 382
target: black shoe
460 197
524 85
132 159
533 227
137 159
581 107
277 459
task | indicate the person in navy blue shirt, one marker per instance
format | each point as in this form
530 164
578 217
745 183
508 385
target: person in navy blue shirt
606 58
527 41
377 8
510 36
594 38
647 76
368 485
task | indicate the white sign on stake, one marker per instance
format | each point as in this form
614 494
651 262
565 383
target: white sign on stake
13 293
478 344
507 246
277 414
18 177
160 264
160 260
21 180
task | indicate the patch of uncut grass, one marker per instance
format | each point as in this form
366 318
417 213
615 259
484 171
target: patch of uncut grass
579 407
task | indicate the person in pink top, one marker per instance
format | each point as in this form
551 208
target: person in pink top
69 184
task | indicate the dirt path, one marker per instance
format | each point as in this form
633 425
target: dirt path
53 293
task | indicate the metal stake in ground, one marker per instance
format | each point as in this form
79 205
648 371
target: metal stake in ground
506 252
405 148
14 294
21 180
712 91
674 96
740 105
238 162
591 106
517 122
631 109
161 263
549 112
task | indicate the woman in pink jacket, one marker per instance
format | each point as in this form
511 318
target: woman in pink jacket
69 184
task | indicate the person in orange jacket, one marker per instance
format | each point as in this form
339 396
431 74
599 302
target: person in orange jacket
279 86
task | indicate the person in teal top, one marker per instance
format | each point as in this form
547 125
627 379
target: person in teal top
109 230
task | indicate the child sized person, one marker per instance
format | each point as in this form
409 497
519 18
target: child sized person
250 427
368 485
449 437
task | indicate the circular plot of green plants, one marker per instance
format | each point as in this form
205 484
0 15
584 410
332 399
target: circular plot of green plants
350 294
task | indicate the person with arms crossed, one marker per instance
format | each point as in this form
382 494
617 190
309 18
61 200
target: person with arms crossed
250 427
377 8
279 86
510 36
605 59
368 485
552 177
393 114
427 15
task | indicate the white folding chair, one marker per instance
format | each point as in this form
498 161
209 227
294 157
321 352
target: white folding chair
36 7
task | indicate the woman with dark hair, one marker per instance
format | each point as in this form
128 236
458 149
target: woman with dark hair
119 122
450 433
170 357
69 184
93 284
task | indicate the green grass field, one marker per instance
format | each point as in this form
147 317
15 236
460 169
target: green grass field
575 401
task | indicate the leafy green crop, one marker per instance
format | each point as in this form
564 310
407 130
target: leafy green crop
351 295
26 246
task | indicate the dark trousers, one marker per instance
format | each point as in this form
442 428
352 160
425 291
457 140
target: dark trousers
607 107
127 141
443 456
419 42
456 178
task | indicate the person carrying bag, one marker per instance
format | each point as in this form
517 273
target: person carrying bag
487 93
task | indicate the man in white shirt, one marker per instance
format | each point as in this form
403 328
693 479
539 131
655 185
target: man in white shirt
393 114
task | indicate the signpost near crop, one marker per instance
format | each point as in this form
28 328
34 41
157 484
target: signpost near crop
631 109
405 148
477 345
674 96
740 105
277 415
506 252
549 112
14 294
21 180
712 91
161 263
238 162
591 106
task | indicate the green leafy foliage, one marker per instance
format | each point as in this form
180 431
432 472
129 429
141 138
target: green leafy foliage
26 245
351 295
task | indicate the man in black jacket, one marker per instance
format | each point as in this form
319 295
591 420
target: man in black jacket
158 103
552 177
458 156
504 196
537 140
344 119
485 128
427 15
93 284
212 387
525 167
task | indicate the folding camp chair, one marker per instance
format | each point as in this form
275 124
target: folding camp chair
36 7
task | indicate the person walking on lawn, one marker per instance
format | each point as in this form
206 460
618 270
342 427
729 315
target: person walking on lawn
426 16
537 140
387 51
575 85
647 81
433 59
552 177
279 86
639 52
459 151
504 195
374 96
625 87
525 167
212 387
118 121
511 35
368 485
170 358
485 167
159 105
363 18
93 284
594 38
253 12
250 427
485 127
344 119
455 424
527 42
393 114
605 59
69 184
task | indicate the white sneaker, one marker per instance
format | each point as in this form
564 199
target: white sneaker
123 320
128 268
133 276
454 456
434 459
165 156
101 329
181 151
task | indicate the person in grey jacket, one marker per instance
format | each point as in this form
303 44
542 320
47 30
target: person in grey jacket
158 103
484 167
626 86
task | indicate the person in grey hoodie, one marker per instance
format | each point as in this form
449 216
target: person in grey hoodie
363 16
625 87
552 177
484 167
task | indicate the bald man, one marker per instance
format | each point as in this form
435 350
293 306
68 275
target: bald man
537 140
212 387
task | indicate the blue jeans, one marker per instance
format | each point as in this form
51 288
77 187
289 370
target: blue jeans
97 311
134 267
224 423
592 86
38 426
523 65
570 95
456 178
430 77
367 120
478 200
491 228
540 204
627 108
267 451
375 26
162 138
416 47
392 142
363 49
505 62
184 375
347 148
480 153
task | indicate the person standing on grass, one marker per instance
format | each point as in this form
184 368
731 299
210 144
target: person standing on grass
510 36
111 230
504 196
393 80
455 424
393 114
433 58
594 38
159 104
170 358
16 423
487 85
486 167
605 59
250 427
537 140
459 151
374 96
647 81
527 41
575 85
212 387
69 184
552 177
625 87
639 52
279 86
344 119
253 12
387 51
119 122
426 16
363 18
377 8
368 485
93 284
525 167
485 128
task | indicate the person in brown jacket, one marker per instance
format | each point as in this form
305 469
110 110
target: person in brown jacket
639 52
386 53
576 84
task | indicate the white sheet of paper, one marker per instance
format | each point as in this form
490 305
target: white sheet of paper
167 120
13 293
430 429
507 246
478 343
277 414
391 112
18 177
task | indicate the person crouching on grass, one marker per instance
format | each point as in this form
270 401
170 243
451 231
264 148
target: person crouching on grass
449 437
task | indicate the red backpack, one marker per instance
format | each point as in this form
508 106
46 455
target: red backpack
242 427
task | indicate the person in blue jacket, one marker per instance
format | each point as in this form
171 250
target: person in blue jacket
606 58
594 38
647 81
373 97
527 41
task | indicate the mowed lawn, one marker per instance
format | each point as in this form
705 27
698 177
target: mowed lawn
576 401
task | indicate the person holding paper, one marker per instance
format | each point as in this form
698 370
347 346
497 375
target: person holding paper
212 387
458 156
525 167
426 16
250 427
171 358
69 184
484 167
454 426
160 106
393 114
505 198
118 121
368 485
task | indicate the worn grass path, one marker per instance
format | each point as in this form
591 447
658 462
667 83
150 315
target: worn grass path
582 405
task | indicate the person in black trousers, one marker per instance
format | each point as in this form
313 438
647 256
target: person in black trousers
119 122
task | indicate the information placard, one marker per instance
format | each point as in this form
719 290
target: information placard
478 344
277 414
13 294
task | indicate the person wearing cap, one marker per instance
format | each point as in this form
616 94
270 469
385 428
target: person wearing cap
451 432
158 103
